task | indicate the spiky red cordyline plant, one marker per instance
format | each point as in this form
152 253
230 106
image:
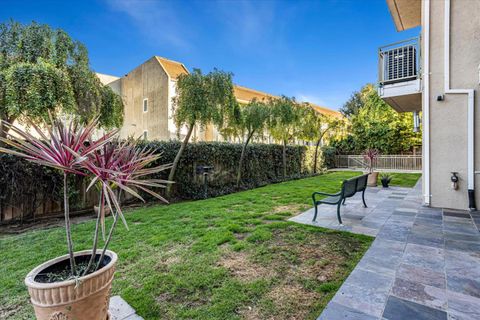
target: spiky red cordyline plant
371 155
121 167
65 147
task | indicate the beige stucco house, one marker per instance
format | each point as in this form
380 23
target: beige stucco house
147 93
438 74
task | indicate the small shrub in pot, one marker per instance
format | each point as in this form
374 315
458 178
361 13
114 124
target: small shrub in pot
385 178
77 285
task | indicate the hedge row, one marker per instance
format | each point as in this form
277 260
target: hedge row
25 183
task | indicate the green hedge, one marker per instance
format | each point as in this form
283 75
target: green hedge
262 165
26 186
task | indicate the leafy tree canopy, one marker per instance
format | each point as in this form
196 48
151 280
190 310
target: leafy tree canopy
375 125
43 70
284 118
205 99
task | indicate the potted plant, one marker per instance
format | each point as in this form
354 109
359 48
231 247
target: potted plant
370 156
385 178
77 285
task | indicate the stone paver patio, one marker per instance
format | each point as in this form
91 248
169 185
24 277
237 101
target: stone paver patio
423 264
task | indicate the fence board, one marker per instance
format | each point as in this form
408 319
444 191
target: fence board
384 162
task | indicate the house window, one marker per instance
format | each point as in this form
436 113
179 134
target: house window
145 134
145 105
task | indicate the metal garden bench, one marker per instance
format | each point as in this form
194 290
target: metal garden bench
349 188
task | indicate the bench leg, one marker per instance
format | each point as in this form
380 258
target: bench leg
338 213
316 209
363 199
343 203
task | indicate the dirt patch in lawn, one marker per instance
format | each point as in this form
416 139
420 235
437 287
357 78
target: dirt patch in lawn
291 208
242 267
302 268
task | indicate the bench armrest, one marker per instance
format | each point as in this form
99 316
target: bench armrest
324 194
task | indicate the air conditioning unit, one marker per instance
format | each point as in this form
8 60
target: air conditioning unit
399 64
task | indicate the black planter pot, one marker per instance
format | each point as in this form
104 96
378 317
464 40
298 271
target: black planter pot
385 183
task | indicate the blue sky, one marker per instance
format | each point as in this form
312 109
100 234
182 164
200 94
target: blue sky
317 51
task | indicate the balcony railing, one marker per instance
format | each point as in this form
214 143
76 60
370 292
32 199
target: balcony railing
399 62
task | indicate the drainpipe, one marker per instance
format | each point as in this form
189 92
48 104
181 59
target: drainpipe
470 110
426 104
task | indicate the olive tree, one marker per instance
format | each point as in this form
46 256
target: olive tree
42 71
284 123
253 120
315 126
201 99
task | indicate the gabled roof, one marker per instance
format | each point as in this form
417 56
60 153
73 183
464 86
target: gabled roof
245 95
172 68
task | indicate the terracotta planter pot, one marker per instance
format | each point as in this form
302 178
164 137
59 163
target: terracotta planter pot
62 301
372 179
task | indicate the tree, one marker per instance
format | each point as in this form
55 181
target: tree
283 123
44 71
315 126
202 100
353 105
375 125
253 120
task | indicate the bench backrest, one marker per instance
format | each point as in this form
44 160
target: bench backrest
353 185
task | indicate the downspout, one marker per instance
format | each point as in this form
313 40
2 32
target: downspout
470 110
426 104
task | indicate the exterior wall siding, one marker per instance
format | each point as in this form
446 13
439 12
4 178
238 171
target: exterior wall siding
448 118
148 81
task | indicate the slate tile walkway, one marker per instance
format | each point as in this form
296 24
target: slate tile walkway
423 264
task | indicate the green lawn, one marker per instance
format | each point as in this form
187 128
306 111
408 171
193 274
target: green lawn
230 257
402 179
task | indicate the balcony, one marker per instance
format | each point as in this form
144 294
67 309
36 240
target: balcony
399 82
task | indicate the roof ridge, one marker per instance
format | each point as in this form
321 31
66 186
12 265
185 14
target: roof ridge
163 58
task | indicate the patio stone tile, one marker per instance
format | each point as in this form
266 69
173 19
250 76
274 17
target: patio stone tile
462 237
462 245
399 309
458 220
394 232
469 287
428 222
420 293
421 275
425 240
455 227
466 264
365 230
430 215
462 307
456 214
335 311
424 256
366 291
404 213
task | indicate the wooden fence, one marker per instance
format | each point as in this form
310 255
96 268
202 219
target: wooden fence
383 162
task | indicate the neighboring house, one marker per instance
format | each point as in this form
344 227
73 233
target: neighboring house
147 93
439 75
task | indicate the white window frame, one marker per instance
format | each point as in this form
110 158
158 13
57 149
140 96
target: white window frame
143 105
145 135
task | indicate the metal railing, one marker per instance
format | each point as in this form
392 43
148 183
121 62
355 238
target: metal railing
383 162
398 62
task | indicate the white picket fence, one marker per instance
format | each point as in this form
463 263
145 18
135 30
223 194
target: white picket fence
383 162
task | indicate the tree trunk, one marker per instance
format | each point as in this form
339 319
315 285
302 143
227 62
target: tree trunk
171 175
315 159
284 159
242 157
101 209
66 210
